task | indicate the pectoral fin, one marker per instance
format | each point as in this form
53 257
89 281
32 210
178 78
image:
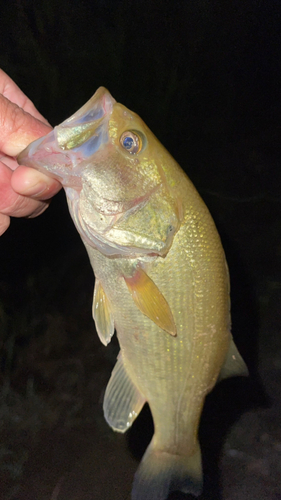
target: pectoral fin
122 400
102 314
234 365
150 301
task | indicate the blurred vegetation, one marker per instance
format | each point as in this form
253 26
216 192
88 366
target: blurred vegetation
205 76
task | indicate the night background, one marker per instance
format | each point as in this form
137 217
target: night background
205 77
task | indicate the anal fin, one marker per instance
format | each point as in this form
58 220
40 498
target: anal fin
234 364
122 400
150 301
102 314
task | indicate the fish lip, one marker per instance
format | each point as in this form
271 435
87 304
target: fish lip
54 155
107 102
101 101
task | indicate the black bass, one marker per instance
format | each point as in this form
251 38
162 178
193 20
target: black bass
161 281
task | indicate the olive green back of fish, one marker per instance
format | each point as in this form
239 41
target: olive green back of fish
173 374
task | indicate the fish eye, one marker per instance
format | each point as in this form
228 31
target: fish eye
131 141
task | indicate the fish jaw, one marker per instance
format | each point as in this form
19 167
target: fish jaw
119 199
62 153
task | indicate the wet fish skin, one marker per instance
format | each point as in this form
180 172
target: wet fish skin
161 281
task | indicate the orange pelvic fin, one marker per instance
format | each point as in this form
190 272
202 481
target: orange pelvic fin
150 301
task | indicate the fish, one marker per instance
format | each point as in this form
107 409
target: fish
161 281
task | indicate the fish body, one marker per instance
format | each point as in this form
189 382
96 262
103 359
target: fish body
161 281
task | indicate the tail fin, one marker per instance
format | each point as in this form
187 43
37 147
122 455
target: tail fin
161 473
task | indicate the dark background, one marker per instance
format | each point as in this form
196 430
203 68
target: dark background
205 77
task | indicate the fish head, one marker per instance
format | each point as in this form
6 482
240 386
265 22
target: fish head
112 169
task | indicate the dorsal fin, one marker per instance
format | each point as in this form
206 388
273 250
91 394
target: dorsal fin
234 366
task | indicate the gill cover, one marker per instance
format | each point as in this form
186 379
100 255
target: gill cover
109 164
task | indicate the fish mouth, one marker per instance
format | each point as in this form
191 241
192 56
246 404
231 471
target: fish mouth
60 153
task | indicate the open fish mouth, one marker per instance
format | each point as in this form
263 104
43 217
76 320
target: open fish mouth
60 153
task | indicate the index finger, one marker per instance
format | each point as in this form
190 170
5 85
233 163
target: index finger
18 128
10 90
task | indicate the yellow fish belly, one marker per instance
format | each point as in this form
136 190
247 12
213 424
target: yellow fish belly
172 373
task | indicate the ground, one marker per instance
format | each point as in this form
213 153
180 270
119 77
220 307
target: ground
55 442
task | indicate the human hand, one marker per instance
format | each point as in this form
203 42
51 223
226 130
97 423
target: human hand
24 192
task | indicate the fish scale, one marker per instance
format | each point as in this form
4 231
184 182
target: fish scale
161 374
161 281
